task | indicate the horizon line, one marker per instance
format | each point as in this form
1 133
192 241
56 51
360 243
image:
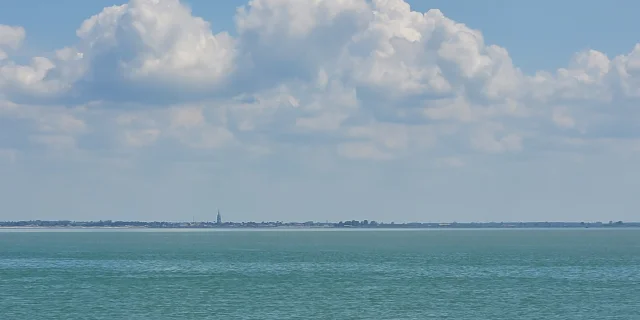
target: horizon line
320 222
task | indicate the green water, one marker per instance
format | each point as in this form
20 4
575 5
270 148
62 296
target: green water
432 274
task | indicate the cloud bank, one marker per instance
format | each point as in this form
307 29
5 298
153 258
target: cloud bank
368 80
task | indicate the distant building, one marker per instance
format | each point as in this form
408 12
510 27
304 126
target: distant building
219 218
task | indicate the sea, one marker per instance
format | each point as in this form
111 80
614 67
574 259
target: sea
320 274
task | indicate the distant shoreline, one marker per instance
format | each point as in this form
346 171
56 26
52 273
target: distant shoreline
345 225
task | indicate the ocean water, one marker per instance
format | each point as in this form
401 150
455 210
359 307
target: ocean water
426 274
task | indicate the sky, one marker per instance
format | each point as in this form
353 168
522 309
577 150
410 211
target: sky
298 110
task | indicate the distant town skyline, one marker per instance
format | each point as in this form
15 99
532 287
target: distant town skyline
301 110
312 224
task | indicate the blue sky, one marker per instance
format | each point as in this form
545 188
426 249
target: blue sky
330 110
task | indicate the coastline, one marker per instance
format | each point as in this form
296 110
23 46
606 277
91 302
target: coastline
280 225
61 228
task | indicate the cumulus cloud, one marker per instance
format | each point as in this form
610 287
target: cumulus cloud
154 42
127 52
366 79
11 37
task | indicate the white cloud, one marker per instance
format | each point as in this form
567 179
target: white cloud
143 45
292 18
285 39
148 41
366 79
406 53
30 79
628 72
11 37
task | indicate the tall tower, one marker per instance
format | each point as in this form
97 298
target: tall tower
219 218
